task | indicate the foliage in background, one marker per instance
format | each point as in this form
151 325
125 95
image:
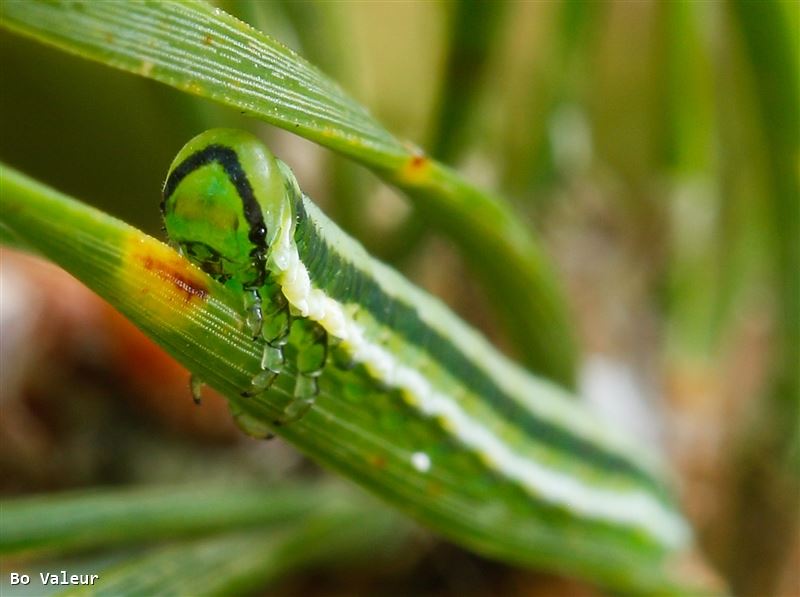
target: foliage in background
223 539
683 152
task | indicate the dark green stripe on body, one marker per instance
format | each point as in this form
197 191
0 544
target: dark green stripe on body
344 282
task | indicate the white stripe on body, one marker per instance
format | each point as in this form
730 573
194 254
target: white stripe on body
633 508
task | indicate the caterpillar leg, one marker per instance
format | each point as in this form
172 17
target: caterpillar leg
196 388
275 328
260 383
271 366
254 317
277 320
268 319
312 347
176 246
249 425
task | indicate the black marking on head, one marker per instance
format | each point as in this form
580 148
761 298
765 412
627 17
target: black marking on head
229 160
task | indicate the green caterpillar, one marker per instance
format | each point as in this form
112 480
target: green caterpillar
320 304
225 225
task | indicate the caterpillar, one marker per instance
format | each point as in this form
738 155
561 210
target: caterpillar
321 307
221 222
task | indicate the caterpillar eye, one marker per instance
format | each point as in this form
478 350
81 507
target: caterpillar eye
258 233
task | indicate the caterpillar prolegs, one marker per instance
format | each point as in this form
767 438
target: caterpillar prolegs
223 196
314 296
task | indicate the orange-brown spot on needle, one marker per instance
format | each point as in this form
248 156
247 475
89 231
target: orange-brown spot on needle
176 273
418 161
416 169
159 276
378 461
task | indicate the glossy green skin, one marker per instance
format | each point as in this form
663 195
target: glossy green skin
209 207
212 212
374 429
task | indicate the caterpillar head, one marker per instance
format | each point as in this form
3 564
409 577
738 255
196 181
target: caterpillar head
223 202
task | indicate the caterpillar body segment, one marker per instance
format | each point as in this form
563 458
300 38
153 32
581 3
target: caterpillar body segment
353 330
